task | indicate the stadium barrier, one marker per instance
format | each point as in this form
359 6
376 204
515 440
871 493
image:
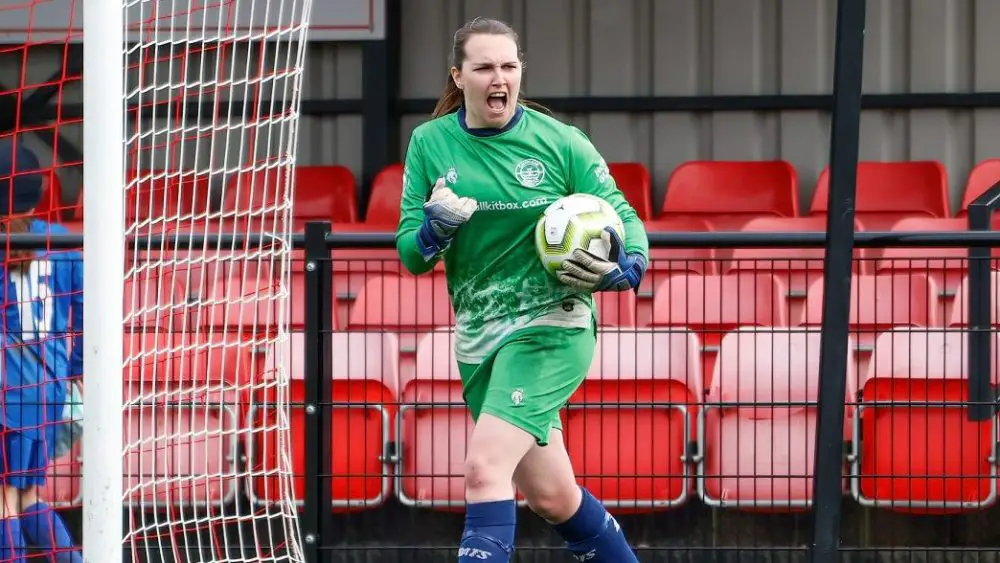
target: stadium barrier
696 423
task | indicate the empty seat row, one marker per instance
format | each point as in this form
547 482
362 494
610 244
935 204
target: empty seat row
645 435
710 302
322 193
187 400
391 300
249 300
727 194
643 432
724 194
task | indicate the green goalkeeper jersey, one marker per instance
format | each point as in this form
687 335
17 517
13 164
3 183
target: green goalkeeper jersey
496 282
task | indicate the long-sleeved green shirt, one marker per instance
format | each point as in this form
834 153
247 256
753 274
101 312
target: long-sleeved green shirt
496 281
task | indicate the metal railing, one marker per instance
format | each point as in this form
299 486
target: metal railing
699 420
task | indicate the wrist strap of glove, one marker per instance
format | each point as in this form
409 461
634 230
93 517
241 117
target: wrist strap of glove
429 243
636 271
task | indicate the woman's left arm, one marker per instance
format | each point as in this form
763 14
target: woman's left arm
588 173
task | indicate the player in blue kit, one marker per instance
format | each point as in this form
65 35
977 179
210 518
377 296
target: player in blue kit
43 305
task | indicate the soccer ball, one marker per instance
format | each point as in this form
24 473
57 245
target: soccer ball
571 222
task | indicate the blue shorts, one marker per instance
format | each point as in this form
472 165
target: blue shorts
23 461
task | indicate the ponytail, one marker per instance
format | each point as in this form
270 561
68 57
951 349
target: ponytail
452 98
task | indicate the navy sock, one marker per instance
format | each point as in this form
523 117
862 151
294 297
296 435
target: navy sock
593 535
45 529
11 540
489 532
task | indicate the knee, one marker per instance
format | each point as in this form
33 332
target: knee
557 502
485 471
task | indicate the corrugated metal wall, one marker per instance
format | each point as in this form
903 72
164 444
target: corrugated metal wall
709 47
686 48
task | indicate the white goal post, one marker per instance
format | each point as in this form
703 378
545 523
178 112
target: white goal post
190 124
103 287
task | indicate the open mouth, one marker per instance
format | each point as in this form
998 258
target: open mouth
497 101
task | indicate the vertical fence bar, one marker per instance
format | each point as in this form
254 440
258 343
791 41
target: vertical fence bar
981 399
845 130
318 326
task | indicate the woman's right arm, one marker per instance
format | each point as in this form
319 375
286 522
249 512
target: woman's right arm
416 187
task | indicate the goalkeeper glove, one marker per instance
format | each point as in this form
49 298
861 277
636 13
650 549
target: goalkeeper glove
588 273
444 213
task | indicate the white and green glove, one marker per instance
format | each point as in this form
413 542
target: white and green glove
588 273
444 213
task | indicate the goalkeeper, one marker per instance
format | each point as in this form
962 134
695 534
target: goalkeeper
477 177
43 304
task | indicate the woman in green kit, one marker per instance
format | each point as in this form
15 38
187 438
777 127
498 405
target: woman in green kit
477 177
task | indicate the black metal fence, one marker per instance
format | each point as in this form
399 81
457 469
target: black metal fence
698 423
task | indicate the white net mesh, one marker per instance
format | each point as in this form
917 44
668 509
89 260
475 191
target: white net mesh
213 95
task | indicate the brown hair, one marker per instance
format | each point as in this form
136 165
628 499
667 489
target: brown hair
452 97
17 258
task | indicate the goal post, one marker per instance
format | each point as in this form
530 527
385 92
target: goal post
104 258
183 120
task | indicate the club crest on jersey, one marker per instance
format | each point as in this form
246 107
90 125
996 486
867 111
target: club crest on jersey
517 397
530 172
451 176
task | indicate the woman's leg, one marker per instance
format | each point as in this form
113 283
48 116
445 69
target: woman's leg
45 529
494 451
15 454
545 477
515 397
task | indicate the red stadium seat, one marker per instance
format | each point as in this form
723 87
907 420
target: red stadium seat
958 314
326 192
402 304
628 427
154 298
353 267
434 428
878 205
880 303
914 448
364 386
51 207
947 266
322 193
664 261
407 306
386 193
758 433
615 309
982 177
296 306
196 386
714 305
729 193
166 194
236 297
633 180
796 267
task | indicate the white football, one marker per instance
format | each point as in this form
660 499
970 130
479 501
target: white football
571 222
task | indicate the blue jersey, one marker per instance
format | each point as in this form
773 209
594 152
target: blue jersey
43 308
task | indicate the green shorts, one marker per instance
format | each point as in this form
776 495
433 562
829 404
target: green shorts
530 377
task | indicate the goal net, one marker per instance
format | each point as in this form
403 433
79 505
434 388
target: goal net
165 133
